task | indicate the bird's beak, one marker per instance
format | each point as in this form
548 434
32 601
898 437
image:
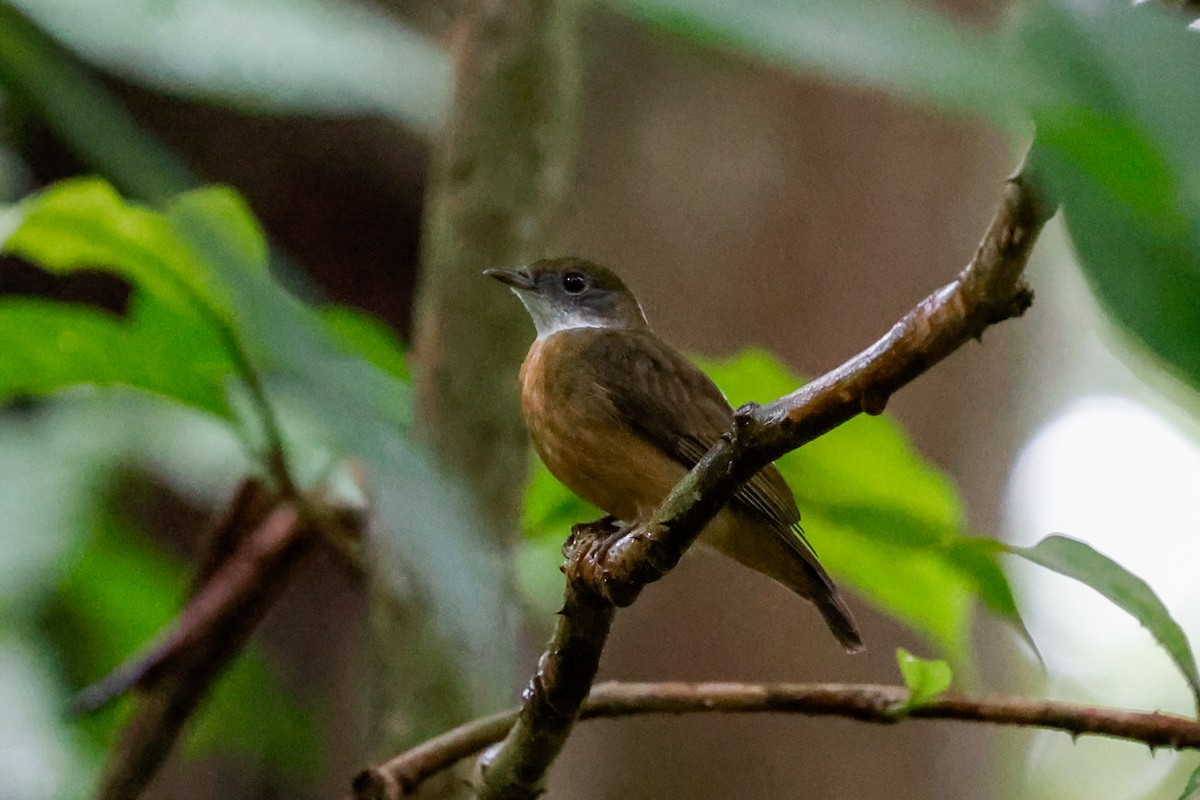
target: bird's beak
516 278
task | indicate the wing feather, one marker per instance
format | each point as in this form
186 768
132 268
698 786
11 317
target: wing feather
657 392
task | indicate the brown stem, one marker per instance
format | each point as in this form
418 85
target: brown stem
602 570
232 571
174 677
401 776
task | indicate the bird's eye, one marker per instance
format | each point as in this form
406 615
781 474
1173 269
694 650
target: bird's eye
573 282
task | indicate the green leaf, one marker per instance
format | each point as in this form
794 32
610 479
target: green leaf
49 347
884 521
170 341
1078 560
425 520
368 338
1118 150
271 56
927 56
925 679
1192 790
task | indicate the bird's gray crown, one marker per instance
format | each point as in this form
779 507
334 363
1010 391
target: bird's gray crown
565 293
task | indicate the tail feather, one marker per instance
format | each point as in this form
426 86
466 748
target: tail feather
840 621
767 550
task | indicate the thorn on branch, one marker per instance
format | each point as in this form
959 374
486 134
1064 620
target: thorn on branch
405 774
1022 300
745 410
874 403
743 420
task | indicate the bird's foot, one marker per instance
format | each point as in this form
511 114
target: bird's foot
584 533
587 554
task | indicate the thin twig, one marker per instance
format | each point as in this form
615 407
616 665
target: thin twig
401 776
602 571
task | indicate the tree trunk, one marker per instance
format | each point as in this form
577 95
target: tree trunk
498 183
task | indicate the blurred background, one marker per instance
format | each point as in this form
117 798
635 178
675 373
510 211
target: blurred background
747 206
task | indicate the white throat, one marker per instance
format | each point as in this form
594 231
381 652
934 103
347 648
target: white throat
550 321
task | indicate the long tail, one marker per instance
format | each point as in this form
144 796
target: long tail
838 617
770 551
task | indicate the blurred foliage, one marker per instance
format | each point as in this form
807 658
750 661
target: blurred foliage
171 341
82 113
1192 790
116 594
88 589
1120 153
927 56
1109 87
358 411
367 337
202 264
925 679
267 56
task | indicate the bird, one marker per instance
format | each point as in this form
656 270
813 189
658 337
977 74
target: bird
619 416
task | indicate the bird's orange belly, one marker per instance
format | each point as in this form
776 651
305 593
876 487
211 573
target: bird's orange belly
576 433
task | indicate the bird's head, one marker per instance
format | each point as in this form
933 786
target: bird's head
565 293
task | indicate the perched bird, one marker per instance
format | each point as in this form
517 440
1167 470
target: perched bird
619 417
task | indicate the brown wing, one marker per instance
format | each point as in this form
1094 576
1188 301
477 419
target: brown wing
668 401
674 406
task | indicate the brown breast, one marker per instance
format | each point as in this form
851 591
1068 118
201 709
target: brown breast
577 432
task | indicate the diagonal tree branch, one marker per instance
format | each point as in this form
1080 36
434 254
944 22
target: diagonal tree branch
175 676
241 551
402 776
252 553
606 570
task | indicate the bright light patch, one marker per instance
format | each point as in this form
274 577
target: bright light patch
1110 472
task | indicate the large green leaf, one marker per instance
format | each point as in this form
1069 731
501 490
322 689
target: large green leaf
359 411
1078 560
293 56
1119 151
169 341
899 46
